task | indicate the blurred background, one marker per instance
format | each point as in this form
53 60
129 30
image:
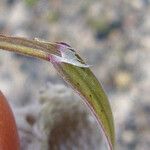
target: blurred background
114 37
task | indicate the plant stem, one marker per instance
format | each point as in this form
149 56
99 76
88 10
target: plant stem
23 50
33 48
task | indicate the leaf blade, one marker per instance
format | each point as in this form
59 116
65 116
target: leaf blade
83 81
74 71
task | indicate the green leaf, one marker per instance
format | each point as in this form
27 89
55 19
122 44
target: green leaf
74 71
83 81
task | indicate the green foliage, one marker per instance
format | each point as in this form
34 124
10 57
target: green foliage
31 2
74 71
88 87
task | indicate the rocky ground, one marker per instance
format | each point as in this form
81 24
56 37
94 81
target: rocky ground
113 36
